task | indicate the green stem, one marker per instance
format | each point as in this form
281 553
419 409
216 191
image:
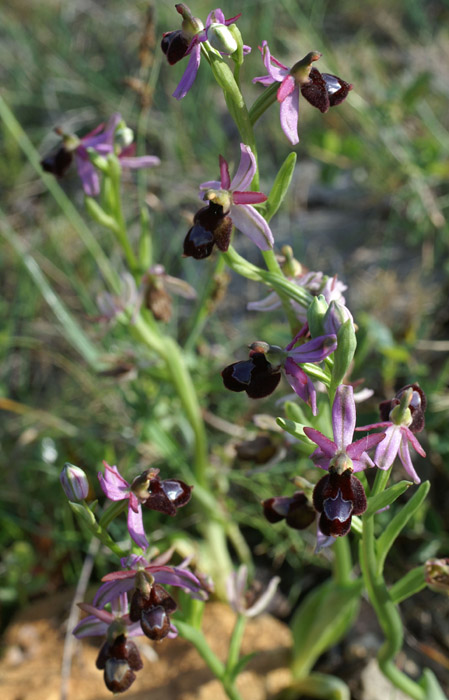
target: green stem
235 643
204 306
117 213
197 638
70 211
112 512
386 611
408 585
342 561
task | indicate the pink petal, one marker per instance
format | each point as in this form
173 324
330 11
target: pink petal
387 449
314 350
252 224
404 456
276 70
111 590
210 185
356 449
190 72
224 174
343 416
87 173
113 484
248 197
373 426
135 528
102 615
327 446
90 627
286 88
246 170
270 303
289 114
413 440
139 162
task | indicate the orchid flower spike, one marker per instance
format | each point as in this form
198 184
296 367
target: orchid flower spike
322 90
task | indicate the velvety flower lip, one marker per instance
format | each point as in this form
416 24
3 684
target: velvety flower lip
341 451
236 199
322 90
116 488
337 497
405 411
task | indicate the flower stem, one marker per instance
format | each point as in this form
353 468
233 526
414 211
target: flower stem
265 100
385 609
216 666
235 643
342 561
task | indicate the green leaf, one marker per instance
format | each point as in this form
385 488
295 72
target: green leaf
430 685
413 582
280 186
387 497
344 354
240 665
297 430
400 520
321 620
315 315
317 685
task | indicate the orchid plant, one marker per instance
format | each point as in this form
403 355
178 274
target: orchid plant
317 362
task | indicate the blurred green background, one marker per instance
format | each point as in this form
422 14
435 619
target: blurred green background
369 202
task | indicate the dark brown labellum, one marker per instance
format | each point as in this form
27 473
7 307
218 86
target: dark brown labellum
325 90
174 45
168 495
118 676
158 301
210 226
255 376
338 497
297 511
155 623
58 162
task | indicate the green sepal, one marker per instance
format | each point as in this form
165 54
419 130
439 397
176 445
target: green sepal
321 621
315 315
413 582
280 187
98 161
400 520
387 497
98 214
297 430
344 354
431 686
238 55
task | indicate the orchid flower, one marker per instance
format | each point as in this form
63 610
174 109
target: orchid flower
322 90
248 603
101 140
339 495
405 415
229 204
260 375
187 42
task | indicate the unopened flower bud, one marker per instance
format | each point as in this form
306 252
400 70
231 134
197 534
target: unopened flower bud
221 38
437 575
74 482
335 316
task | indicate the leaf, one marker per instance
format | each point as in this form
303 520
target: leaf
280 186
297 430
387 497
240 665
431 686
321 620
400 520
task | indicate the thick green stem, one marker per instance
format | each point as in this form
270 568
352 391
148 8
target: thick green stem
342 561
263 102
386 611
216 666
